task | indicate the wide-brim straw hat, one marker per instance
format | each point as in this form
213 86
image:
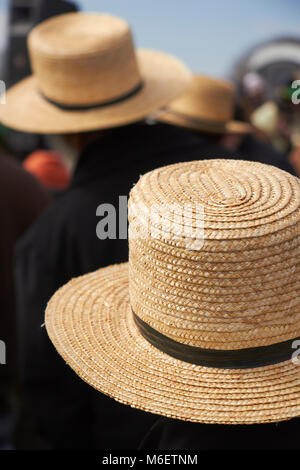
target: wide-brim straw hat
87 75
200 324
206 106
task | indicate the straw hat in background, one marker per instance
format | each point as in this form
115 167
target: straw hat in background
200 332
87 75
207 106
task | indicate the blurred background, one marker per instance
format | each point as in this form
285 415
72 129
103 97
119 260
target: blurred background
255 44
208 36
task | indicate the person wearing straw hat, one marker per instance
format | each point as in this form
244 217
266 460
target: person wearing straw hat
91 87
202 325
207 108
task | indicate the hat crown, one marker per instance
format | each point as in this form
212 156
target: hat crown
222 187
214 253
207 98
83 59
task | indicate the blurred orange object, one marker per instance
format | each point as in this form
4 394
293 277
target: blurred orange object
48 167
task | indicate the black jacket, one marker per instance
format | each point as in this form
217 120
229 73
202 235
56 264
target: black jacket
171 434
63 244
21 201
256 150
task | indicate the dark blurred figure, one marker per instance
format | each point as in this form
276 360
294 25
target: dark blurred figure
252 95
49 169
172 434
249 147
266 78
289 119
23 15
207 108
103 123
294 158
278 121
22 200
63 244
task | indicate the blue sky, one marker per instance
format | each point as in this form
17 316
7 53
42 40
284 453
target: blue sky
207 34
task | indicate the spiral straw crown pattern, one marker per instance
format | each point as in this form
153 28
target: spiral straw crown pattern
241 288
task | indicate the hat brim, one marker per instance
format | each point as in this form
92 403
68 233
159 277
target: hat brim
164 78
90 322
202 125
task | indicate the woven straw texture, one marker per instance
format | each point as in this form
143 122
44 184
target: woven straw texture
81 59
207 105
238 289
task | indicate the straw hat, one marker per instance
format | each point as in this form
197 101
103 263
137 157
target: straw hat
87 76
199 331
207 105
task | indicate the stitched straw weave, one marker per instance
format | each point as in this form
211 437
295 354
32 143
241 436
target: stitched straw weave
238 289
241 289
